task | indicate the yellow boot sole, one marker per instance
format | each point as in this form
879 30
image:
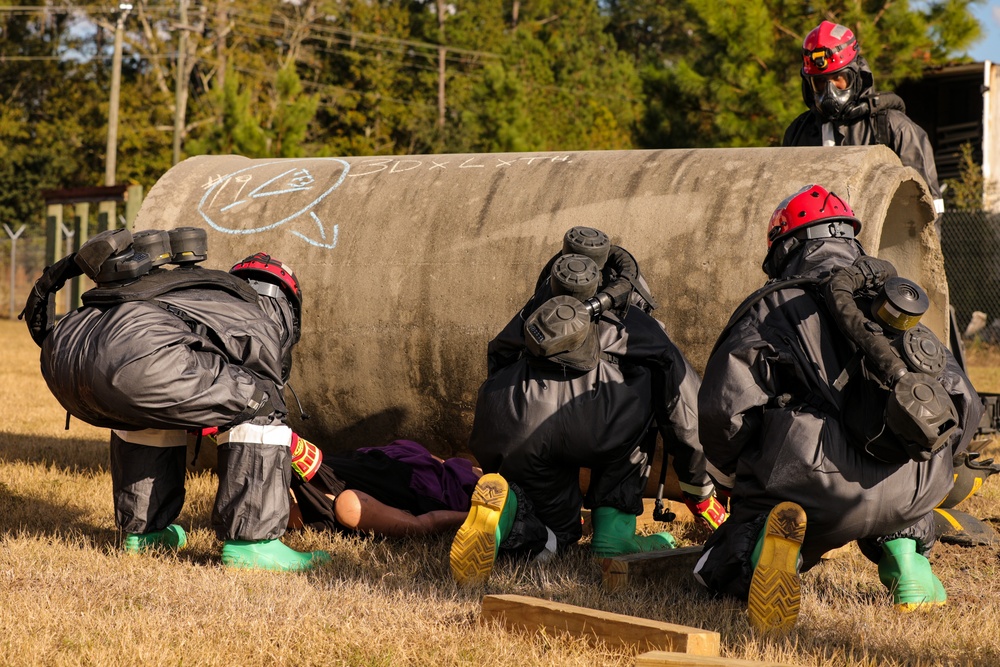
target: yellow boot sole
474 549
775 592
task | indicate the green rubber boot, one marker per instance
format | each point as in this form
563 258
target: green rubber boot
172 537
908 577
775 590
614 535
477 542
270 555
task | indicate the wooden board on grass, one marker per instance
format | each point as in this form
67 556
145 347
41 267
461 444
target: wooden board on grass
617 572
520 612
670 659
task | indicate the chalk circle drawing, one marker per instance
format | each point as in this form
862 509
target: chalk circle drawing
265 196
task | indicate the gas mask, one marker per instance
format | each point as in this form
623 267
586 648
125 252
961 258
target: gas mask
829 100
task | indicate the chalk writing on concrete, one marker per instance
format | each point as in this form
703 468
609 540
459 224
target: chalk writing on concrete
395 165
267 195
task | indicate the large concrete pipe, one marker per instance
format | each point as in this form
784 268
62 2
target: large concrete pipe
409 265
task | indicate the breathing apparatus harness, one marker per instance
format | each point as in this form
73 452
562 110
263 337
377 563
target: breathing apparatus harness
563 323
895 364
125 273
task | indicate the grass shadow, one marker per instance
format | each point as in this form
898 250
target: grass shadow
66 455
29 515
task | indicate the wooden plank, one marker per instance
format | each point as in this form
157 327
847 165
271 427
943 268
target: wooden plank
670 659
617 572
520 612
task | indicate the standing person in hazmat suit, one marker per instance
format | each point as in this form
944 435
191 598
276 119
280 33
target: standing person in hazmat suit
834 416
844 109
579 378
156 355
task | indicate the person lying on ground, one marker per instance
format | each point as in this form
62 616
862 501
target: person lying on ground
395 490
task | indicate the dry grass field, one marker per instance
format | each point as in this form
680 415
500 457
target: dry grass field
71 597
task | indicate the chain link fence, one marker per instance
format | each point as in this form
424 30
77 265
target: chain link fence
970 241
29 261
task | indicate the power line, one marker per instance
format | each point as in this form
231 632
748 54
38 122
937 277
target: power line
83 58
86 9
324 86
342 34
266 31
354 34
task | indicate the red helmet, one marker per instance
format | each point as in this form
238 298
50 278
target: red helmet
827 48
807 208
264 268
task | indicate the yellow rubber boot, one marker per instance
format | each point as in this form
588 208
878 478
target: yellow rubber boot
773 604
477 543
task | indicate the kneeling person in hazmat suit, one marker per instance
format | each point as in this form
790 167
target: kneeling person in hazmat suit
579 378
835 416
157 354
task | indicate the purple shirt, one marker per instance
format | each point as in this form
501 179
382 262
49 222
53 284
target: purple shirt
450 482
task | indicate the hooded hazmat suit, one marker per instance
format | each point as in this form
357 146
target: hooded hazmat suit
190 358
771 420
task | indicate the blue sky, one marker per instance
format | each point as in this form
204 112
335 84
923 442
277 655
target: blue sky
988 48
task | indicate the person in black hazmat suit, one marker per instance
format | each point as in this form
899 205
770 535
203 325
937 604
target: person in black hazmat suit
156 355
579 379
844 109
825 402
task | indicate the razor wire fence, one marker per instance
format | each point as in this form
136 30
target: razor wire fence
970 242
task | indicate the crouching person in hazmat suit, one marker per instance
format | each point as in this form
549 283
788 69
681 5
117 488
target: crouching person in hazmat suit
156 354
579 378
835 416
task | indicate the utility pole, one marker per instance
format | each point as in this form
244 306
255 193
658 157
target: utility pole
116 84
442 51
221 34
180 103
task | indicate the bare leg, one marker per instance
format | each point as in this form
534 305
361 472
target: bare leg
359 511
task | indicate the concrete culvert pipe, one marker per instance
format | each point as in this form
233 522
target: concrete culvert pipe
410 265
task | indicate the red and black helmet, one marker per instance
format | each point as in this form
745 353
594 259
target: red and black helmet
264 268
831 71
827 48
809 208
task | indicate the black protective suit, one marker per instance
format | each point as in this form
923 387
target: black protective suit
906 139
538 423
771 418
153 370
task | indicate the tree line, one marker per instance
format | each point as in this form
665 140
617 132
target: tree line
292 78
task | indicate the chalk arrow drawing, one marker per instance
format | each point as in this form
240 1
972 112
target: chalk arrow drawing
298 186
322 234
